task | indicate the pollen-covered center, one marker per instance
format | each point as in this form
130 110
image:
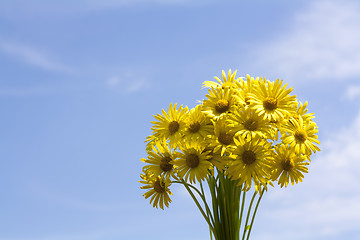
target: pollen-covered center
165 164
225 138
300 135
247 100
287 164
192 160
194 127
270 103
158 188
248 157
222 105
251 124
173 127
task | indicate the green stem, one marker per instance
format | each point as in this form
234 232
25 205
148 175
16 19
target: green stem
217 225
253 217
242 208
202 196
248 214
208 212
197 204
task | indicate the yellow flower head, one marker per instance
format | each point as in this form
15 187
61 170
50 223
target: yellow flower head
223 139
288 166
245 88
198 125
272 100
220 102
170 124
249 124
193 163
301 136
250 163
225 82
158 190
160 159
301 110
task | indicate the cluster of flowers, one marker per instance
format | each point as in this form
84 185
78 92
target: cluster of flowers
253 130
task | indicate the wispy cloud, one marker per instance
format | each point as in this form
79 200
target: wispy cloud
323 43
127 83
352 92
32 56
327 202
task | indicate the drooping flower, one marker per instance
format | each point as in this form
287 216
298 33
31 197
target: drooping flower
160 159
158 190
288 167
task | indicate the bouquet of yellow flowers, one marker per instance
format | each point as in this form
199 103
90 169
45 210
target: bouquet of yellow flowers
246 134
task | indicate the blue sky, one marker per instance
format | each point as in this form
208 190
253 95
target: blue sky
80 81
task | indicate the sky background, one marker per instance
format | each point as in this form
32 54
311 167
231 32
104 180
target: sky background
81 80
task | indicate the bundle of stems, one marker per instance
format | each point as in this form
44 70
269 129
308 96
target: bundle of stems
227 208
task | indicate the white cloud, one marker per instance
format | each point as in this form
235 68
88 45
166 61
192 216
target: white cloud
128 83
113 81
352 92
327 203
32 56
323 43
137 86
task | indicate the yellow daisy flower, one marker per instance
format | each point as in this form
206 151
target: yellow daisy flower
249 124
272 100
250 163
288 166
246 87
225 82
223 139
158 190
198 125
301 110
301 136
215 158
220 102
160 159
192 163
171 124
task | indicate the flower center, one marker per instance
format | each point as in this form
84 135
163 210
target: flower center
225 138
250 125
165 165
300 135
247 100
194 127
158 188
248 157
287 164
222 105
173 127
270 103
192 160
